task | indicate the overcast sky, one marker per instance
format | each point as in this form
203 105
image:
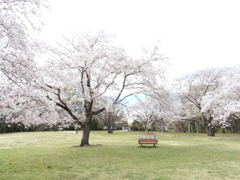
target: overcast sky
193 34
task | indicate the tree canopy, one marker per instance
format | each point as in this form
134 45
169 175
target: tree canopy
84 74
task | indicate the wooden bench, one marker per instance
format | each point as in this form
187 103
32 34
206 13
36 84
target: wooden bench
147 141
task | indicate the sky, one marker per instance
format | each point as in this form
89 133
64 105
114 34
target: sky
193 34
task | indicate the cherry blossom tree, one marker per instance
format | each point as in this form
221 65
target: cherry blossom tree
83 70
223 103
19 24
154 110
23 105
93 69
193 87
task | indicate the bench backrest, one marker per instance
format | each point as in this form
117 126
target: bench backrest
150 136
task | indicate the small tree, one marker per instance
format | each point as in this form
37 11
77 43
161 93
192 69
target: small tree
137 126
151 111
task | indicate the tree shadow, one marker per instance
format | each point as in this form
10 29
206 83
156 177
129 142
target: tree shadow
89 145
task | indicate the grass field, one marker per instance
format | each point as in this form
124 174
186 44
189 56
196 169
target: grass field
54 155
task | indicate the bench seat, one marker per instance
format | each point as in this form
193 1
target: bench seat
147 141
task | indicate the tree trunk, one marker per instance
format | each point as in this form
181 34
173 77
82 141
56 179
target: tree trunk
202 119
4 127
86 130
223 130
210 130
197 127
110 131
209 127
86 134
109 124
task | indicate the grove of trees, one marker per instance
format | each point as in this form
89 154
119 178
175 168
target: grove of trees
212 97
85 76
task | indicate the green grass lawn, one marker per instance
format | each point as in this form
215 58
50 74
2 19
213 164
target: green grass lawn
54 155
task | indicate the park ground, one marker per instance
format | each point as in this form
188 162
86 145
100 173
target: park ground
56 155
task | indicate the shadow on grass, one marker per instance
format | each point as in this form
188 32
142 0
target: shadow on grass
149 147
89 145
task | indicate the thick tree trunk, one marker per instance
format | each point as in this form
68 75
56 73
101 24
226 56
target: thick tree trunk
210 130
86 134
209 127
86 130
110 131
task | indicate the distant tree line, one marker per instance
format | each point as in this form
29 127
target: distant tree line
9 127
